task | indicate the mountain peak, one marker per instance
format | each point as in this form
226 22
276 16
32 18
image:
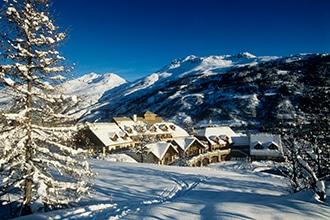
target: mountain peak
246 55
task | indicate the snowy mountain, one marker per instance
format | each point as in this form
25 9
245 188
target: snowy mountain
88 89
179 70
237 90
91 87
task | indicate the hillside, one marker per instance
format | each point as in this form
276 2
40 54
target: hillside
90 88
230 190
238 90
242 90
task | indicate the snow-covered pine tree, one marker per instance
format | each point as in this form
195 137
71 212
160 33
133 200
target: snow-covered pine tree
38 164
303 175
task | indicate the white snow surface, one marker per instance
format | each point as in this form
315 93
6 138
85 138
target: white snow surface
89 88
191 65
229 190
92 86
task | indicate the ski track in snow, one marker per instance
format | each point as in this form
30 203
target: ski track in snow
179 189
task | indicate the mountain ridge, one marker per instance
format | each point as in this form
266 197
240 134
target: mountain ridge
240 90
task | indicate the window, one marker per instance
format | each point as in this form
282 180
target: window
258 146
164 127
273 146
153 129
125 136
114 137
129 130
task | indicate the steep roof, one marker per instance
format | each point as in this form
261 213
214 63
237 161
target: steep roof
106 132
159 149
242 140
140 127
185 143
168 128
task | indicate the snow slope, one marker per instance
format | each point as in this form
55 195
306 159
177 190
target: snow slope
239 90
92 86
88 89
184 70
221 191
192 65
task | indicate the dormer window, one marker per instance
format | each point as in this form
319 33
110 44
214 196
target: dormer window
273 146
125 136
164 128
153 129
129 130
173 127
114 137
258 146
224 138
140 129
216 139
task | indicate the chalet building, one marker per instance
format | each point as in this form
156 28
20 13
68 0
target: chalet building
163 153
189 147
123 133
107 137
216 137
266 147
209 145
150 126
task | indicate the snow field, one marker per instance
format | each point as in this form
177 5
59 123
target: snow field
223 191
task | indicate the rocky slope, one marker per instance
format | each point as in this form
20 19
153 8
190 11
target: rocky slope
239 90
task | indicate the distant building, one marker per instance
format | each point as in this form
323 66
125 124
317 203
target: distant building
126 132
171 142
216 137
261 146
265 146
150 126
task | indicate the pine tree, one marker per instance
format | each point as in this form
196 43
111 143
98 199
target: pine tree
38 163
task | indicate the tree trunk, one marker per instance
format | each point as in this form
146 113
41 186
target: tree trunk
28 152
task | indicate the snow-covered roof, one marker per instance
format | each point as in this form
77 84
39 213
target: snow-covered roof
216 131
133 128
272 145
216 139
170 128
129 126
212 132
159 149
109 133
242 140
185 143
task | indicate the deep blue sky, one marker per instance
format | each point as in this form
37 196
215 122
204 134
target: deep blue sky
134 38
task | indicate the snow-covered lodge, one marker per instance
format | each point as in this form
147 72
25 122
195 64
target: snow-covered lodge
265 146
125 132
165 142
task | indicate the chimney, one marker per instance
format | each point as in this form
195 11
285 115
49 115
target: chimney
134 117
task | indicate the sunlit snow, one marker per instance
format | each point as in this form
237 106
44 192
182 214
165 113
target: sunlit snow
229 190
